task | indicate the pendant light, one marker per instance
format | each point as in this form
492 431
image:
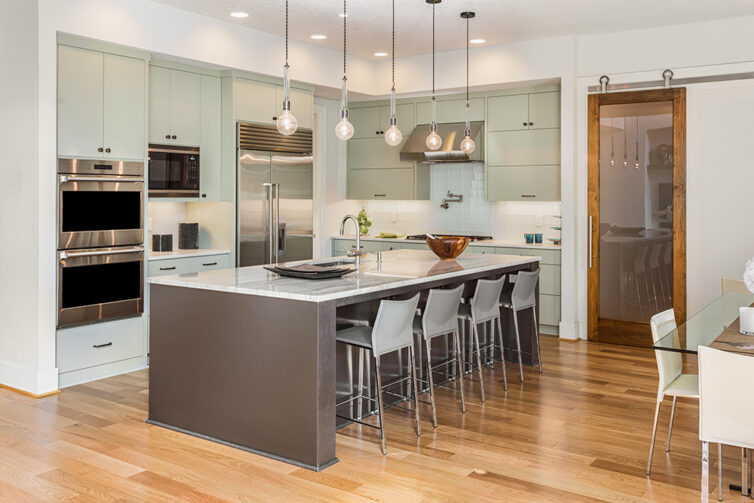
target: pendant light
344 128
467 144
286 123
434 141
393 135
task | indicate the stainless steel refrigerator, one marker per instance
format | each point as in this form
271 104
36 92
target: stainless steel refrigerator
274 196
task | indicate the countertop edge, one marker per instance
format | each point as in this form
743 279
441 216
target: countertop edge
492 243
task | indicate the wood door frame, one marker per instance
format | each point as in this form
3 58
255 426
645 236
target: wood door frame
678 97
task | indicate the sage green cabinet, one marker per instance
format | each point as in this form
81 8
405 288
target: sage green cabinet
524 111
523 183
262 102
174 107
522 148
450 110
101 105
381 183
372 122
210 143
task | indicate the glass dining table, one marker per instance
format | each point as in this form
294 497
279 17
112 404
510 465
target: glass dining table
707 325
705 328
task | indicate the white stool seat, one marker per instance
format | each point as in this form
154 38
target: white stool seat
360 336
684 385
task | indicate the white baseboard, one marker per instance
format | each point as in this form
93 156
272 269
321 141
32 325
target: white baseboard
28 379
101 371
569 330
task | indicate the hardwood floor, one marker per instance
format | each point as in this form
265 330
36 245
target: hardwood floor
578 433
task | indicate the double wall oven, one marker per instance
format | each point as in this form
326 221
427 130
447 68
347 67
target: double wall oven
100 240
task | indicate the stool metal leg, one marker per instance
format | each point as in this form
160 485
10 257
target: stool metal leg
349 366
502 354
360 400
478 358
670 429
536 333
431 382
412 352
459 357
518 344
379 403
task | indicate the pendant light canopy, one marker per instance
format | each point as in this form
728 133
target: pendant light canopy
434 141
467 144
344 128
286 122
393 135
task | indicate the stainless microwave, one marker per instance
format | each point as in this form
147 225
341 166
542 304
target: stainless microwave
173 171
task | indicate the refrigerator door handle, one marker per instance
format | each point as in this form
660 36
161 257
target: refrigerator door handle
277 223
282 236
268 187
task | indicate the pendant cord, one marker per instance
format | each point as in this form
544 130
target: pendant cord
467 61
393 50
286 32
345 18
433 50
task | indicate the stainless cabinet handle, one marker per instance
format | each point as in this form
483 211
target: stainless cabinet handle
174 137
167 268
100 149
209 264
528 195
167 136
108 150
589 240
97 346
380 195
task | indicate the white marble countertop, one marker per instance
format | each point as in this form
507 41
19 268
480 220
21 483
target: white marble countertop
151 255
399 268
502 243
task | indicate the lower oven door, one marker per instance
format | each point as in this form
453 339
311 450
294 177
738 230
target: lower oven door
100 284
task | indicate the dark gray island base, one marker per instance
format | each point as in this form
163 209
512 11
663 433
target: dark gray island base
248 359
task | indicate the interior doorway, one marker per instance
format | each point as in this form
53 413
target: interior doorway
637 212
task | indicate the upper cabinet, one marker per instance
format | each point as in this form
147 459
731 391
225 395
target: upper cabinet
262 102
450 110
101 105
175 102
524 111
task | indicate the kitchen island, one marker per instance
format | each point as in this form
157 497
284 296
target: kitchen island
247 358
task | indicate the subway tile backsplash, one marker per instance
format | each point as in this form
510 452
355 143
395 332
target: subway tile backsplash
502 220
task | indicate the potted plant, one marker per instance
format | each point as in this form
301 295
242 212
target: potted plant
364 222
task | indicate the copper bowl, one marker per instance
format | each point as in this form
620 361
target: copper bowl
447 247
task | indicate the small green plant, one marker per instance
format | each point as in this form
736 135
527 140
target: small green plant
364 222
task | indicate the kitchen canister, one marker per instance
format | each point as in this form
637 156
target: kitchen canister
188 236
746 316
166 242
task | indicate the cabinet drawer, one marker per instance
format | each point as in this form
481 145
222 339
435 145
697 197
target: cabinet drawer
549 309
165 267
534 147
99 344
206 263
481 249
381 184
523 183
548 256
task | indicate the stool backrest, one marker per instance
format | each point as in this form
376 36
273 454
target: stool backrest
485 304
669 363
524 293
725 406
441 312
393 328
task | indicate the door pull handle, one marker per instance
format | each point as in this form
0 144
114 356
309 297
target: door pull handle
98 346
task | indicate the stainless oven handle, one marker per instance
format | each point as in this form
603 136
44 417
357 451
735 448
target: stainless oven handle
131 249
77 178
190 151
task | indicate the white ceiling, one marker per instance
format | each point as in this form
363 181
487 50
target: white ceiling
497 21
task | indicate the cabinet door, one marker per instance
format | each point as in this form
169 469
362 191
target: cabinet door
79 102
374 153
210 166
185 108
302 106
124 107
404 112
159 105
523 183
381 184
523 148
549 310
508 113
366 122
544 110
549 279
255 101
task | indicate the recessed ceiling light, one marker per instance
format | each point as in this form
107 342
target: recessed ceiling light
343 15
477 40
319 37
239 14
380 54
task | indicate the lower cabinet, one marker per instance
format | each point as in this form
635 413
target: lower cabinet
188 265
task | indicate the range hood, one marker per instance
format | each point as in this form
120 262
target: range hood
416 149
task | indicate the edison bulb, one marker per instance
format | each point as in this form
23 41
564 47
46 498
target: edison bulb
287 123
467 145
434 141
344 129
393 136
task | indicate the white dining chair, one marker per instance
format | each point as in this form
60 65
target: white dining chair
672 382
726 412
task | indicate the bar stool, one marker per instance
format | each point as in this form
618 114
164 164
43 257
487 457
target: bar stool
483 307
392 331
523 296
441 318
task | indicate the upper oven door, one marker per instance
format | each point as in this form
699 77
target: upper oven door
99 211
173 171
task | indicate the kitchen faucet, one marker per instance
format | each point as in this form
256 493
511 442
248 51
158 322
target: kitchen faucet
357 252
